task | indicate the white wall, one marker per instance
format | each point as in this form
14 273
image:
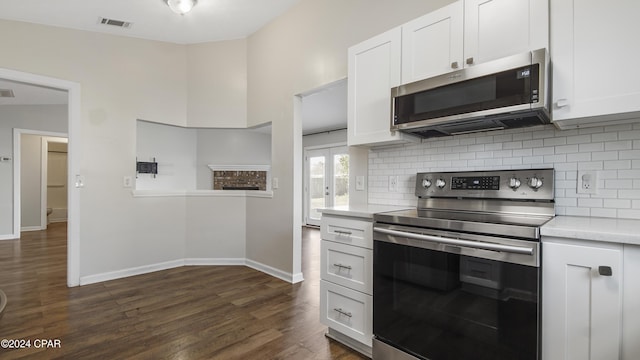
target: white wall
51 118
30 185
122 79
174 149
224 65
229 147
302 50
324 138
613 151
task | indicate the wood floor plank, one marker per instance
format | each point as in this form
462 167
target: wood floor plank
190 312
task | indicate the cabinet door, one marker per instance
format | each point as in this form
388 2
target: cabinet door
593 51
432 44
347 311
374 68
346 265
631 304
499 28
581 307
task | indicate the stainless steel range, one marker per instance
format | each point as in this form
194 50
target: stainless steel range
459 276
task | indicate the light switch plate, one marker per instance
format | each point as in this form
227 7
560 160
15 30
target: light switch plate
127 181
360 183
274 183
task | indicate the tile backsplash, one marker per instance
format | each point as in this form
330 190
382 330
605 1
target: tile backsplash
612 151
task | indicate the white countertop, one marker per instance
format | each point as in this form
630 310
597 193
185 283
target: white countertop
623 231
361 211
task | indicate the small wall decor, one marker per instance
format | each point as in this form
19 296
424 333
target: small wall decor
147 167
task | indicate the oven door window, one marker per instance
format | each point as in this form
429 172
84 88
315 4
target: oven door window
439 305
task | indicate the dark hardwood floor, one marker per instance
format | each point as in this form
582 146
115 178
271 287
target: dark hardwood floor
194 312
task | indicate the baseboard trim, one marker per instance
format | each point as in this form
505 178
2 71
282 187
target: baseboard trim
140 270
9 237
119 274
282 275
214 262
31 228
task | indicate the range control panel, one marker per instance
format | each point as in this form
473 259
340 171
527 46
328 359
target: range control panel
475 183
532 184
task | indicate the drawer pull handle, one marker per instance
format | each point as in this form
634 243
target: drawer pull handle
340 267
342 232
605 270
342 312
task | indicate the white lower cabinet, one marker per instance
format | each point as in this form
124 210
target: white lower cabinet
347 311
346 301
581 300
631 304
349 266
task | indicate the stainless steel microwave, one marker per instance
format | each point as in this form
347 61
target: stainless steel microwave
505 93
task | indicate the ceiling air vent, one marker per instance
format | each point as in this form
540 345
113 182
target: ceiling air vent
113 22
6 93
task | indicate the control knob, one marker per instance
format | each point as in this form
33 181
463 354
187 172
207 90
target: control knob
535 183
426 183
440 183
514 183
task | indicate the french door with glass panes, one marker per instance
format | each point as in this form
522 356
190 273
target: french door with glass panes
326 181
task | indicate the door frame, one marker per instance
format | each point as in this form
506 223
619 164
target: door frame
74 162
17 177
329 148
44 174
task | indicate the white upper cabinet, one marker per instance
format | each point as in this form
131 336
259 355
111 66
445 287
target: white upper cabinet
374 68
497 28
458 35
470 32
593 49
432 44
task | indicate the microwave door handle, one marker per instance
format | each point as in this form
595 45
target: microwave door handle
457 242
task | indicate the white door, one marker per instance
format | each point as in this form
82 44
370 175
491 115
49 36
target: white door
326 181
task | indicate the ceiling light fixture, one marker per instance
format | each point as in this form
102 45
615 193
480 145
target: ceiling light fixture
181 6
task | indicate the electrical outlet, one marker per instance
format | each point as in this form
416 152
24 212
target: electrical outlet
393 183
587 182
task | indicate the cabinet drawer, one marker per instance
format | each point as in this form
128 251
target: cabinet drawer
347 231
347 311
347 265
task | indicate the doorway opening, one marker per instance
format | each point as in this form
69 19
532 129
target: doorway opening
73 176
326 180
41 191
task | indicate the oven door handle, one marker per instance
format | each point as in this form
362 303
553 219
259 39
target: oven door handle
457 242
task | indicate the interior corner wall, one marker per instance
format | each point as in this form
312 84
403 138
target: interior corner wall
217 84
229 147
174 150
301 50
